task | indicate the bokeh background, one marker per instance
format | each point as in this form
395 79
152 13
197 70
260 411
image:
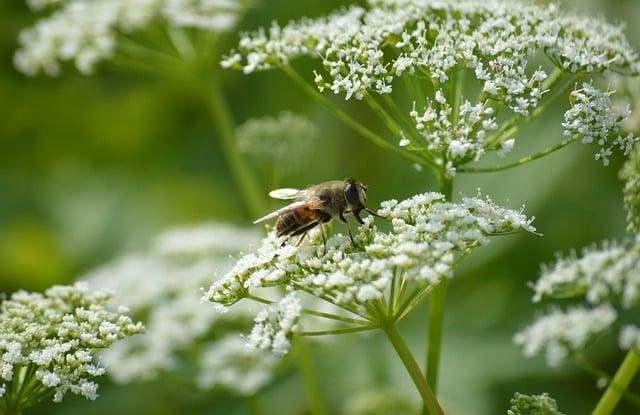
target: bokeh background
92 167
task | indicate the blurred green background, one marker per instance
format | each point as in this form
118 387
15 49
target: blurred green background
91 167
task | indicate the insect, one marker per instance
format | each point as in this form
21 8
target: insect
318 205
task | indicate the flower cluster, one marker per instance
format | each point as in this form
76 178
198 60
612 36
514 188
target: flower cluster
559 333
428 237
602 274
87 32
48 342
434 44
289 136
366 49
162 286
462 140
605 275
593 119
230 364
630 174
275 325
533 405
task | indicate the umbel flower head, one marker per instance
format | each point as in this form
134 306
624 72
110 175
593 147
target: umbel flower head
48 343
384 273
520 56
87 32
272 140
163 288
602 276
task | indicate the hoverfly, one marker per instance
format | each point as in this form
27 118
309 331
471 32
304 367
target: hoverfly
318 205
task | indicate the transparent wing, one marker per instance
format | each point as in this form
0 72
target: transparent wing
288 208
287 193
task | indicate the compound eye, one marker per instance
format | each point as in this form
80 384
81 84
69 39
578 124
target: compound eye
351 193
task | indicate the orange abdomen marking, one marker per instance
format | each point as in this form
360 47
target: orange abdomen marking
289 222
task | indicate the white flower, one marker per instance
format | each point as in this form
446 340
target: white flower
602 274
461 140
494 39
232 365
87 32
630 337
212 15
559 333
593 118
363 51
57 334
286 141
428 236
2 390
162 286
275 325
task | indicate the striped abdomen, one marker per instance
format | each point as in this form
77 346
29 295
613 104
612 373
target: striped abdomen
294 220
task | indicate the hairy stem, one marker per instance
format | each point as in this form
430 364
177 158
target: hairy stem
429 398
308 372
223 122
620 383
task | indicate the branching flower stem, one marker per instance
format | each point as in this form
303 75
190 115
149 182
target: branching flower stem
401 348
345 118
620 383
436 307
522 161
600 374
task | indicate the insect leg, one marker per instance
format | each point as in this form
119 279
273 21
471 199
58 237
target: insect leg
356 213
344 220
324 239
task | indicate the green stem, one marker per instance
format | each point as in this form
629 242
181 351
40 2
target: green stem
598 374
520 162
255 405
337 331
436 307
223 122
429 398
308 372
620 382
345 118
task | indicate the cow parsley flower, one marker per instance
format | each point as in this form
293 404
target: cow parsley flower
427 238
592 118
48 343
630 174
542 404
87 32
630 337
286 141
558 333
232 365
602 274
163 287
275 325
516 54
